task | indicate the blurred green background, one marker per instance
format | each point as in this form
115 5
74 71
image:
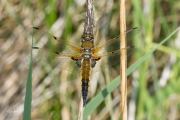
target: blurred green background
153 88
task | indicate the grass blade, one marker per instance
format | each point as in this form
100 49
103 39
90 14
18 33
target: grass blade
28 95
93 104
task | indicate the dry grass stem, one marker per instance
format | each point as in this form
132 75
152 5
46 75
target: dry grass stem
81 110
123 65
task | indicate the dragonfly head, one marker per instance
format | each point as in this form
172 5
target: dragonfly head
87 37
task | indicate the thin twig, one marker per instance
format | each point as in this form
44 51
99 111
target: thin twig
123 65
89 23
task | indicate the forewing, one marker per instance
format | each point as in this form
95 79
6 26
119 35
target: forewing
52 50
114 44
45 39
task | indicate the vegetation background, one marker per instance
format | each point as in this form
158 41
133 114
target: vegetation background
153 88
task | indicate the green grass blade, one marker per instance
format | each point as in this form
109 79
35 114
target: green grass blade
93 104
28 96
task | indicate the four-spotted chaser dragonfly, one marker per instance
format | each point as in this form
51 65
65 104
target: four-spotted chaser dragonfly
86 56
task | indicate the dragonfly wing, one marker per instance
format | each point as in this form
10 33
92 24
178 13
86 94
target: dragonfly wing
55 59
43 38
55 51
111 58
113 44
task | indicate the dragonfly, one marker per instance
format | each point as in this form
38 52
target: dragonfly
85 56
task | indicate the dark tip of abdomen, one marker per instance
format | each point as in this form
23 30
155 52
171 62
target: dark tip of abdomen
85 85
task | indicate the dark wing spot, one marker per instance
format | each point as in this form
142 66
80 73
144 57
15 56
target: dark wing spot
112 53
73 58
35 47
97 59
135 28
57 53
36 28
55 37
132 46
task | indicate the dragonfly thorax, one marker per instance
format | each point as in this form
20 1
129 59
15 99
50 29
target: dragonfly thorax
87 50
86 56
86 53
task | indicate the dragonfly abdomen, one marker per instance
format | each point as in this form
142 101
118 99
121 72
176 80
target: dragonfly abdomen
85 72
